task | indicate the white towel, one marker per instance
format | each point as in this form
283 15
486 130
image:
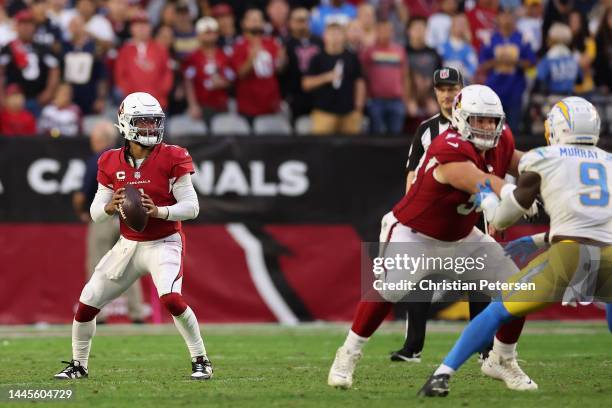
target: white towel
117 259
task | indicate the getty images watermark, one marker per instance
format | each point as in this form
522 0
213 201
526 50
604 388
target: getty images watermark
411 265
418 272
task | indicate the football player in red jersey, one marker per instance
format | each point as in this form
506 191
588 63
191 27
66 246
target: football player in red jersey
162 173
439 209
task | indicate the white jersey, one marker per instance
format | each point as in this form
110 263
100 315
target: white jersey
575 187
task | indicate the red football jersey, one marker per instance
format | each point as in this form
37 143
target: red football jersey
155 177
200 69
440 210
257 93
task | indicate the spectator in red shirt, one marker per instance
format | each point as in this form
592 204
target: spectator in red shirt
143 65
421 8
482 21
207 73
386 72
256 60
15 120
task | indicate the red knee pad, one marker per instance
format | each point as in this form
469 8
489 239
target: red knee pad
85 313
174 303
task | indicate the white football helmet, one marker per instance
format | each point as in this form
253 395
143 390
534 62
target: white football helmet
478 101
572 120
141 119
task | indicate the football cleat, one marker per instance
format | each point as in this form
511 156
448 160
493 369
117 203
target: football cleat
406 355
341 372
201 368
436 386
507 370
73 371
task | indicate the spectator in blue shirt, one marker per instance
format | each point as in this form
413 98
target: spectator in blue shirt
337 10
558 71
457 51
504 60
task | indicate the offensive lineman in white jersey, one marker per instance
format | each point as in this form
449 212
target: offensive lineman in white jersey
574 178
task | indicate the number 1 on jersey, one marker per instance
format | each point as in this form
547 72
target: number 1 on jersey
594 174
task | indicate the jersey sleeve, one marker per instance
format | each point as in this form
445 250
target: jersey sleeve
181 162
104 177
452 149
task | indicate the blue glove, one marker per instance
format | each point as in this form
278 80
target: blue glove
521 248
483 191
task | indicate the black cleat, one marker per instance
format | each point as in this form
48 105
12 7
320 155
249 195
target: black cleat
436 386
406 356
201 368
73 371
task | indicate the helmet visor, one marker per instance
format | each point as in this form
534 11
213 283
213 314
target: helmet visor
148 126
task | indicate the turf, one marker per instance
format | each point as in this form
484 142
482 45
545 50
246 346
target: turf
287 367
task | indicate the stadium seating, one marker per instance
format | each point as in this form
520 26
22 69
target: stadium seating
229 124
184 125
272 124
303 125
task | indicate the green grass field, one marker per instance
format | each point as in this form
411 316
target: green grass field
287 367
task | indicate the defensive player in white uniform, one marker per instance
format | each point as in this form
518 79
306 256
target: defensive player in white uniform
574 178
163 175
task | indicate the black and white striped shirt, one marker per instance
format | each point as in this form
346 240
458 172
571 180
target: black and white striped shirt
426 132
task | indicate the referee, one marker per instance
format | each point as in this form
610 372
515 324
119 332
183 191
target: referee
447 83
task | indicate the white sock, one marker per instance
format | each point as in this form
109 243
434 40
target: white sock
503 349
355 342
82 332
444 369
187 325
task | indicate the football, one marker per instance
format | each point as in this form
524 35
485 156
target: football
132 211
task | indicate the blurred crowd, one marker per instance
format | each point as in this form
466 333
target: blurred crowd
335 66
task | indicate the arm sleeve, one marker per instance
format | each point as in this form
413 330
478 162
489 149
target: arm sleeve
187 206
416 151
102 197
